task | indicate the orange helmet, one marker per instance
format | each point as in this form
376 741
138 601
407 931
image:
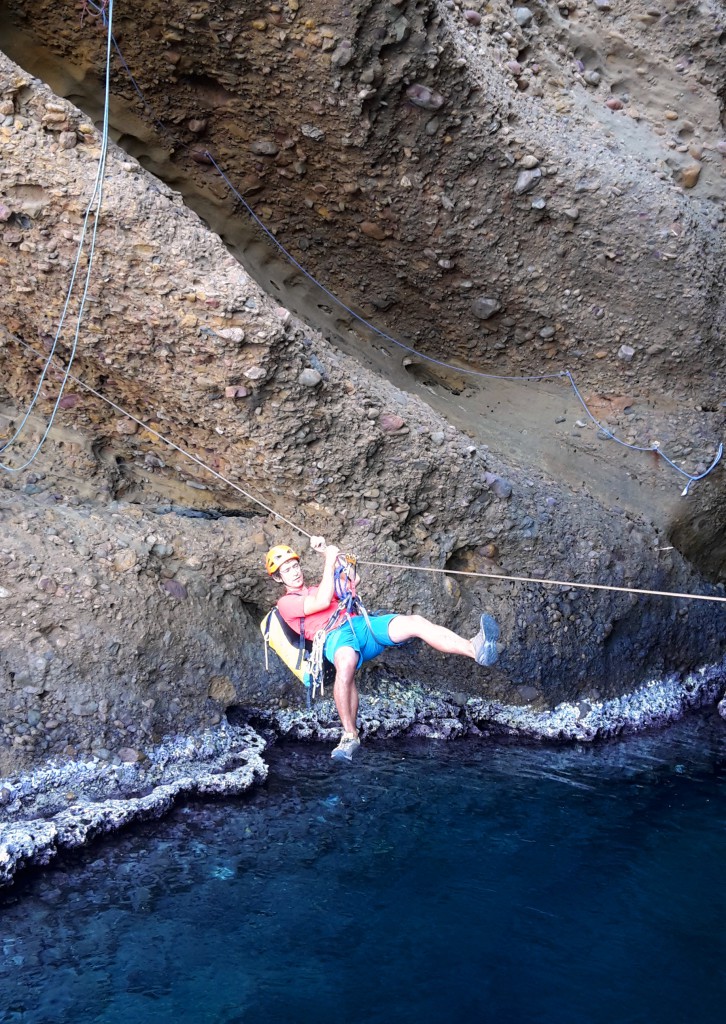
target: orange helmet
277 556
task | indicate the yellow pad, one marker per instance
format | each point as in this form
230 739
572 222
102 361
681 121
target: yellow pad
289 653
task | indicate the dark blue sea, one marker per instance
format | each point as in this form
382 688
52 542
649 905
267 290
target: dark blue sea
429 882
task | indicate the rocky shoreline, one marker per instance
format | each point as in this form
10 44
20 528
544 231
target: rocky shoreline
227 760
656 703
105 797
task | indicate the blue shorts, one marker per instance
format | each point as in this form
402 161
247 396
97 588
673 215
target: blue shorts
355 633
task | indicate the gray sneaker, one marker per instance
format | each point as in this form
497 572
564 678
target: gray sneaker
485 642
349 744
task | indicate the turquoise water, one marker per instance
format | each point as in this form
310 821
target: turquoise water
424 883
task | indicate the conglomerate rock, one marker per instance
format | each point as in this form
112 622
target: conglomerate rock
121 608
568 167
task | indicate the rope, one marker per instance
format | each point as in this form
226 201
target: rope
562 374
172 444
547 582
379 565
98 188
97 193
648 448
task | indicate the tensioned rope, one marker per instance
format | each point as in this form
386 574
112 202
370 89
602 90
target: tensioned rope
546 582
170 443
381 565
97 197
562 374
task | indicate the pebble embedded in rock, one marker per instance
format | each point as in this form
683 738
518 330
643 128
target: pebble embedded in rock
310 378
128 755
264 147
529 162
502 488
342 55
473 17
125 426
125 560
689 175
175 589
311 131
422 96
235 334
372 230
523 16
592 78
235 391
626 353
483 307
498 485
614 103
527 180
389 422
438 438
254 373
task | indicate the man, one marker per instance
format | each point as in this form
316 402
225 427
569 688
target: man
360 638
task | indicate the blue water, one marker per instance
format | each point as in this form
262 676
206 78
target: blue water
424 883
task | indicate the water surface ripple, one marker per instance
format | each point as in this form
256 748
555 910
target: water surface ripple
425 883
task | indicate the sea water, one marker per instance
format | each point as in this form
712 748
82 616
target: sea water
430 882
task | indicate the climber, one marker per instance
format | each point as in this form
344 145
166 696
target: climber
359 637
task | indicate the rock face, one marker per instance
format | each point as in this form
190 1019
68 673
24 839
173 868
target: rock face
417 129
423 125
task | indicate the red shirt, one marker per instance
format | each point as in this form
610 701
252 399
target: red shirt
290 607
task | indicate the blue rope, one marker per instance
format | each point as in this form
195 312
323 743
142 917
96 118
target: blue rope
97 193
562 374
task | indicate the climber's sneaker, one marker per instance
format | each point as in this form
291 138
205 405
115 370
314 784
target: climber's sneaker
485 642
349 744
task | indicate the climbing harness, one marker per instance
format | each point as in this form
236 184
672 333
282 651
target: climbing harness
306 658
